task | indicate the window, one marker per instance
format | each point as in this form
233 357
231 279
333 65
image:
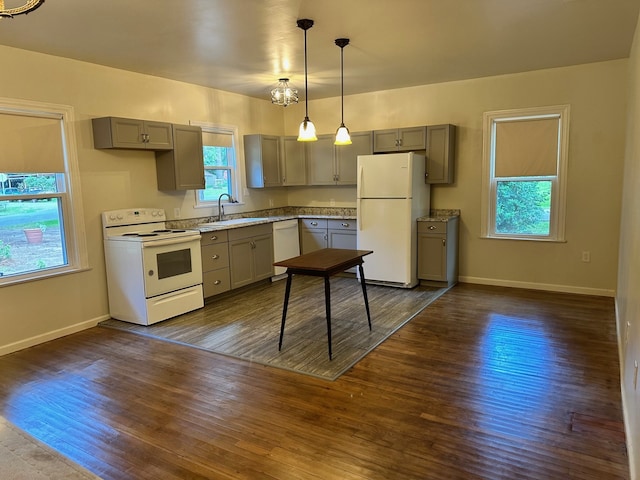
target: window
524 173
41 222
220 172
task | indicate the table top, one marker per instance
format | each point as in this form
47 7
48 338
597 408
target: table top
325 260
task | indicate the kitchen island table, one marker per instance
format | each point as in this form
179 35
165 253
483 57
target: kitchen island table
323 263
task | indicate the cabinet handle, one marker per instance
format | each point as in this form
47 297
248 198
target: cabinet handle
253 244
345 225
314 224
326 236
217 282
215 257
444 242
214 237
432 227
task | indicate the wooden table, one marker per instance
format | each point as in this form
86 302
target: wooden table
323 263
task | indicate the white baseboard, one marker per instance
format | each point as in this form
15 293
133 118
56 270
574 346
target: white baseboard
52 335
600 292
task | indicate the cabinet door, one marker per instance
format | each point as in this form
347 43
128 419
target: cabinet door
294 168
312 240
160 135
347 157
413 138
262 256
432 257
440 153
241 262
262 160
320 161
183 167
385 140
271 161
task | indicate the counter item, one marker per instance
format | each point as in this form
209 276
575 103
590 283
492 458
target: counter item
153 273
391 195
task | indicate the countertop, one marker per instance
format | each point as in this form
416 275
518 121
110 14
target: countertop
440 216
242 222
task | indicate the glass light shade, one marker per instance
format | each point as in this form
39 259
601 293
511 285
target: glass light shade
307 132
342 136
284 94
26 7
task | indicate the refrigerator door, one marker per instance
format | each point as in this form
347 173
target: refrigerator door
385 226
385 176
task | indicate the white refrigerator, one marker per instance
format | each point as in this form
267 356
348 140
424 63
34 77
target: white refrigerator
391 195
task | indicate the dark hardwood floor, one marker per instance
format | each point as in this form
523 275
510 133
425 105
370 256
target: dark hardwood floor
486 383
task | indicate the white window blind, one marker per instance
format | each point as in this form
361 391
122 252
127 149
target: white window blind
210 139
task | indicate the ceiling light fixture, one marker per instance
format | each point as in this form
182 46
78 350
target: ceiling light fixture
284 94
29 6
342 135
307 131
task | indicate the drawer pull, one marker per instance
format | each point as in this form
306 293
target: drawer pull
217 282
214 237
345 225
315 224
215 257
432 227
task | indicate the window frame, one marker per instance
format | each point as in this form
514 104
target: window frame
236 191
557 215
70 196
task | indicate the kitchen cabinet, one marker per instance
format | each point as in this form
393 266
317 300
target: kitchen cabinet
438 251
313 234
215 263
183 167
440 154
342 234
250 254
262 161
129 133
331 164
400 139
294 162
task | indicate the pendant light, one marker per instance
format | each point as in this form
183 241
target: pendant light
342 135
26 7
307 131
283 93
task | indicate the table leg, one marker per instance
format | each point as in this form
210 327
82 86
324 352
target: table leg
284 308
364 293
327 303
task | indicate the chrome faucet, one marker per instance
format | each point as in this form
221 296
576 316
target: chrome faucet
220 207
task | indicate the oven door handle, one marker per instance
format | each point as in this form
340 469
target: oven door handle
170 241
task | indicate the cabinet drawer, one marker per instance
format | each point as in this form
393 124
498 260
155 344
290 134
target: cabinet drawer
432 227
342 224
215 256
209 238
215 282
252 231
313 222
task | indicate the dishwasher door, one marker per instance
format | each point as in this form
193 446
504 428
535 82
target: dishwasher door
286 243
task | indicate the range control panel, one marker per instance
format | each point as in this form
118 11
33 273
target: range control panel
132 216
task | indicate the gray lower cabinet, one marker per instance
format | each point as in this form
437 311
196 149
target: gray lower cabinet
215 263
183 167
262 161
342 234
438 251
400 139
313 234
131 133
250 254
440 154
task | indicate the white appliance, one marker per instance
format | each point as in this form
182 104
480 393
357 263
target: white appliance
286 244
391 195
153 273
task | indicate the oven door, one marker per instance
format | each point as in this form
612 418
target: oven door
171 264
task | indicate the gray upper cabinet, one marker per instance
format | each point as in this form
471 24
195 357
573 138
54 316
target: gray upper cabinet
129 133
183 167
440 155
336 165
294 162
399 139
262 160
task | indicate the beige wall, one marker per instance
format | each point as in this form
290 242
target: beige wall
628 294
597 96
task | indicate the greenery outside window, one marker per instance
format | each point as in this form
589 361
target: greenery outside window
41 221
524 173
220 165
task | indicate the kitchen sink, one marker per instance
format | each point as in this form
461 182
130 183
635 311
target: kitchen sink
235 222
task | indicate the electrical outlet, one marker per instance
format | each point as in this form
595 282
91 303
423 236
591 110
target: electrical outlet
586 257
176 212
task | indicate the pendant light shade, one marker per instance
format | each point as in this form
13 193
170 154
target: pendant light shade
307 131
342 135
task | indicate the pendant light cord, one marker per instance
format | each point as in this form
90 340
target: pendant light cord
306 96
342 85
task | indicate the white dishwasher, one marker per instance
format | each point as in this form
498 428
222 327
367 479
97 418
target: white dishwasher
286 244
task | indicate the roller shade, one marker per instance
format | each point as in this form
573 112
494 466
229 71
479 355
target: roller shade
527 147
217 139
30 144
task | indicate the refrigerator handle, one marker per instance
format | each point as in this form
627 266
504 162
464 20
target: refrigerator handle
358 210
359 182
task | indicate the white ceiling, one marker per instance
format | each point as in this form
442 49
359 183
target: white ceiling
244 46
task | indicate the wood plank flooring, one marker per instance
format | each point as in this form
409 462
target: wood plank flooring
486 383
